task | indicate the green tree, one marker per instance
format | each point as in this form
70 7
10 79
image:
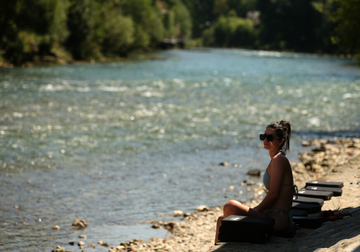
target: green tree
202 13
147 18
83 24
347 31
118 34
289 24
241 7
30 27
177 19
230 31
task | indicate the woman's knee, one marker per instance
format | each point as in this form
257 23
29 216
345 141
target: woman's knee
231 207
220 218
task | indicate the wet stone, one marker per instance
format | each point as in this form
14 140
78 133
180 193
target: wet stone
56 228
178 213
202 208
255 172
79 224
58 249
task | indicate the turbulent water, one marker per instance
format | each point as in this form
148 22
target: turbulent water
117 144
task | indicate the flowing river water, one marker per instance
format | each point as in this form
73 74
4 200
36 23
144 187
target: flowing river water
118 144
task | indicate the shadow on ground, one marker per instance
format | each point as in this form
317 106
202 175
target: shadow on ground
340 235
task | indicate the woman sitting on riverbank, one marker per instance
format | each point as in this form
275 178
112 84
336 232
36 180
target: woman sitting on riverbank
278 180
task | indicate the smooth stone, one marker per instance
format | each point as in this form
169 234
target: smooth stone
58 249
202 208
248 182
178 213
255 172
79 224
170 226
225 164
56 228
155 226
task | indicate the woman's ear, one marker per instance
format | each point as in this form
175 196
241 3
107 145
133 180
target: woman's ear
282 141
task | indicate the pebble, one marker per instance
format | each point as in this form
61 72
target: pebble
58 249
225 164
56 228
79 224
248 182
156 225
82 236
255 172
105 244
170 226
178 213
202 208
81 244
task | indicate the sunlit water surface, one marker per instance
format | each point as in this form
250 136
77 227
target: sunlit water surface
117 144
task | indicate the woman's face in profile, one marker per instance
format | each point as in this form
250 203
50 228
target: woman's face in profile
271 142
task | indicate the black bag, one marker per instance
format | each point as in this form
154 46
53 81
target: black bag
315 194
335 190
308 222
309 200
325 183
236 228
309 207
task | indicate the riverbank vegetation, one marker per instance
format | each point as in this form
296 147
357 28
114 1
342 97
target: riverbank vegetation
62 31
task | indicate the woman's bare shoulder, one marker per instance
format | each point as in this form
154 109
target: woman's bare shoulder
280 161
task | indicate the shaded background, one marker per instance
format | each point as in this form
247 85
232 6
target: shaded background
60 31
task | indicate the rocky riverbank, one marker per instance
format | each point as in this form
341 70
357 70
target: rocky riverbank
329 160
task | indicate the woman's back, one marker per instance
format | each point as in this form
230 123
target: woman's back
286 192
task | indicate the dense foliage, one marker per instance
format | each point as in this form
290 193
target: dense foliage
32 30
87 29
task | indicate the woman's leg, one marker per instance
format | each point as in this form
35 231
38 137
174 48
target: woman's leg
218 224
233 207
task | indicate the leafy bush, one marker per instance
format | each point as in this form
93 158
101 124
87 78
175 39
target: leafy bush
149 27
118 34
347 20
230 31
30 27
182 19
83 23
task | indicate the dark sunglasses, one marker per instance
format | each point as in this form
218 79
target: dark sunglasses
270 137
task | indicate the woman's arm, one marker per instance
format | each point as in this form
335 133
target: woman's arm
277 170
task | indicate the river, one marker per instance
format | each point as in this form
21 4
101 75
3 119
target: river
121 143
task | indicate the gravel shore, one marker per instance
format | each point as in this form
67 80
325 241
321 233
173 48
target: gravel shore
329 160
